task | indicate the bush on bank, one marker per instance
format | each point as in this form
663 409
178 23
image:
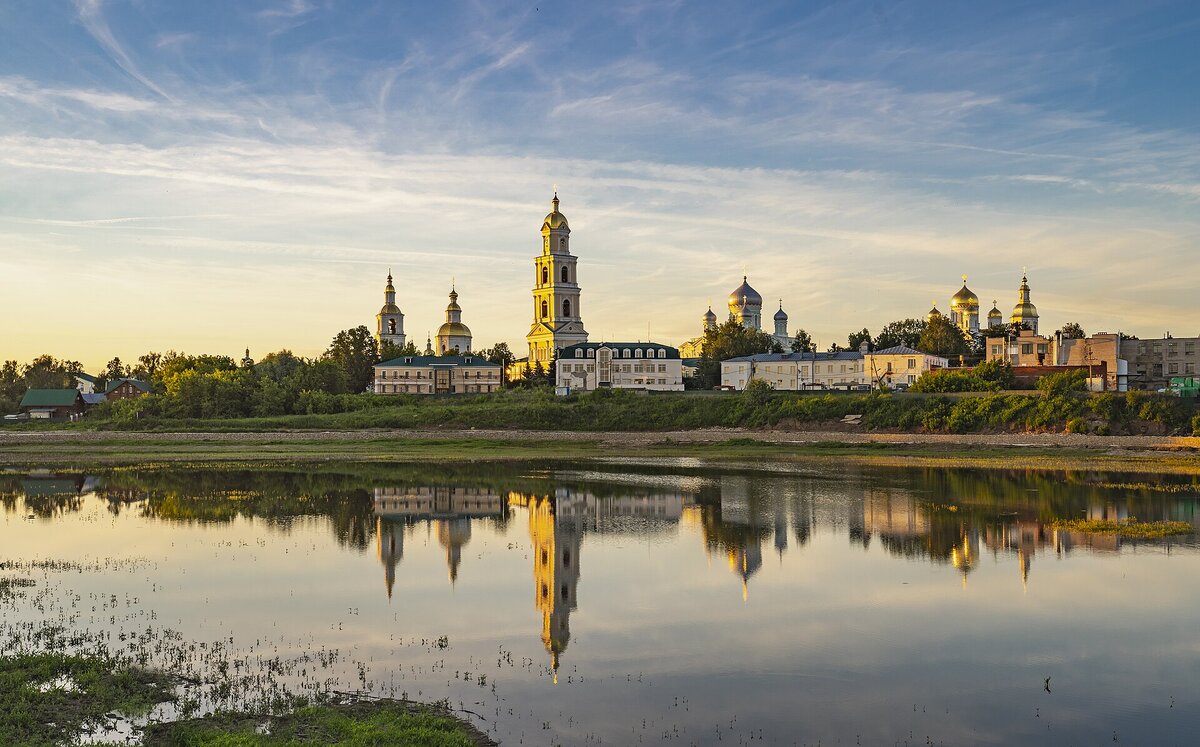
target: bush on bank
1062 409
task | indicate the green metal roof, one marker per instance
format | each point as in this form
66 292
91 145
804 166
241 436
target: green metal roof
136 382
425 361
50 398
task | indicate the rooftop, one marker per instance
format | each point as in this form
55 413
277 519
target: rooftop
434 361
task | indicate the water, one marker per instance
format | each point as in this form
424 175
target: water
623 603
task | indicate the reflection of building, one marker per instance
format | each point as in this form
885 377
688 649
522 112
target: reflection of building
389 545
556 545
451 509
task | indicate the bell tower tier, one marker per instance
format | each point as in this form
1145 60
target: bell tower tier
557 322
389 322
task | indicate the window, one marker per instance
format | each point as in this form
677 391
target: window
567 307
578 352
996 349
637 353
562 244
545 274
564 274
1041 348
545 309
625 353
662 367
1027 348
591 353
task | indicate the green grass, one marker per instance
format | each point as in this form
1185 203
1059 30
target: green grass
1129 528
34 712
360 724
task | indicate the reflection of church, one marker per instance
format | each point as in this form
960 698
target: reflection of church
556 545
449 509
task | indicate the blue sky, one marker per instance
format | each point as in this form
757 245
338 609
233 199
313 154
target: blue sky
207 176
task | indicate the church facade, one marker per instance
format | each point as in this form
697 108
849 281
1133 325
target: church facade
746 307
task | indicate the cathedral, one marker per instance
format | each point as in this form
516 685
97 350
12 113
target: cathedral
964 310
745 305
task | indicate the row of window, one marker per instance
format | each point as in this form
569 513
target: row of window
428 388
1173 348
566 308
829 368
623 353
619 368
490 373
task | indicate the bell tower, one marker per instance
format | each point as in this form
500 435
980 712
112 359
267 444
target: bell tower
389 322
556 315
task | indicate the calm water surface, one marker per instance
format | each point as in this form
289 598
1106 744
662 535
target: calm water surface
620 603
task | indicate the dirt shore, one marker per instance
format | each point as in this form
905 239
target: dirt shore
59 439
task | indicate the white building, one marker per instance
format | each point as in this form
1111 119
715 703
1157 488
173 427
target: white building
899 366
796 371
620 365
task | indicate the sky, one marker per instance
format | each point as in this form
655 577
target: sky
207 177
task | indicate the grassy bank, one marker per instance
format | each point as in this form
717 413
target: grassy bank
54 699
609 410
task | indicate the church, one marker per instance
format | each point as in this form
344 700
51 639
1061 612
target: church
746 306
453 337
964 310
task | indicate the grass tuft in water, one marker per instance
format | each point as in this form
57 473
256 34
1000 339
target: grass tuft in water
50 699
1129 528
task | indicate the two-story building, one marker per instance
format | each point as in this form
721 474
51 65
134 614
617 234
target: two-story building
900 366
619 365
796 371
433 374
126 389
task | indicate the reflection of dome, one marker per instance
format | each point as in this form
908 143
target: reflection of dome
744 295
555 219
454 534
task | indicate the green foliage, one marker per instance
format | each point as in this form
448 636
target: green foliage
803 342
1196 425
1064 382
905 332
941 337
1072 331
355 354
730 340
357 724
1076 425
989 376
757 392
856 339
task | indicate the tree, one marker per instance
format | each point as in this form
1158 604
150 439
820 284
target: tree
942 338
906 332
501 356
147 366
355 353
835 348
115 369
389 350
47 372
803 343
1072 331
730 339
856 339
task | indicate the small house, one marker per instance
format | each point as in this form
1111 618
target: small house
46 404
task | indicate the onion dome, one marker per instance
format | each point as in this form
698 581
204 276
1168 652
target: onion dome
743 296
1024 310
995 317
709 316
555 219
965 297
389 298
781 315
453 326
933 313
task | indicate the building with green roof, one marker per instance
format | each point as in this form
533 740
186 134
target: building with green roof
46 404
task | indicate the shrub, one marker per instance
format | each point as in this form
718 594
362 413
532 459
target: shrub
757 392
1063 382
1076 425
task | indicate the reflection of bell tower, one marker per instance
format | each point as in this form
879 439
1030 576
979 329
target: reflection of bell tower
389 544
454 534
555 574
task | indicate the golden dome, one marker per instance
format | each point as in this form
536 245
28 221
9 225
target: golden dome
555 219
744 295
965 297
453 329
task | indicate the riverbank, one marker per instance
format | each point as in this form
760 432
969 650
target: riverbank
1040 450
